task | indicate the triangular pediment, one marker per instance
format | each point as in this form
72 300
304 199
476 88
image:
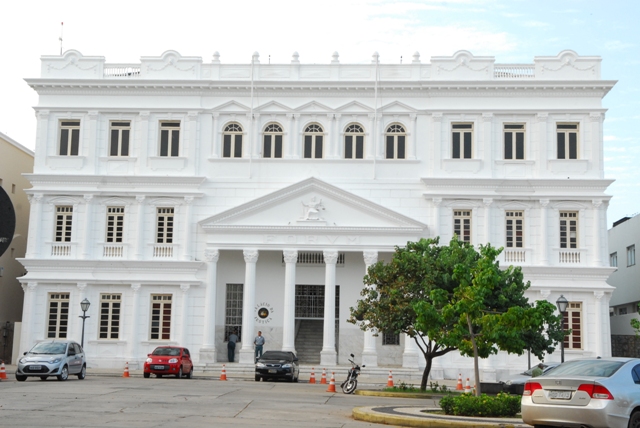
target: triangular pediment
397 107
273 107
313 204
354 107
314 107
232 107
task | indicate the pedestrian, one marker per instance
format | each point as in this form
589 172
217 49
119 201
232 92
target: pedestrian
259 342
231 345
538 370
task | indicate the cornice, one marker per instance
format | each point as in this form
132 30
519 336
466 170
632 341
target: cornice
239 229
502 185
117 181
570 274
76 265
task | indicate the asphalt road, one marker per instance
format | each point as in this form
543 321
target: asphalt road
169 402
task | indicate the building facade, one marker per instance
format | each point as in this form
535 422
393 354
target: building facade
187 200
15 160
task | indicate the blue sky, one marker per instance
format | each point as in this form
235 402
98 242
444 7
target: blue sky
513 31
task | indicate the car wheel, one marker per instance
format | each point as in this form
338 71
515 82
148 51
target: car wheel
190 374
64 374
634 421
179 374
83 373
146 375
44 377
21 378
257 378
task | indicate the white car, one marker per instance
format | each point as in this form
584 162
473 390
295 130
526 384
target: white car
58 358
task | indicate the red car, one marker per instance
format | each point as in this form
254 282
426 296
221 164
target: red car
169 360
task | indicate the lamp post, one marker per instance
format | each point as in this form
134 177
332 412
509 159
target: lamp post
84 305
562 303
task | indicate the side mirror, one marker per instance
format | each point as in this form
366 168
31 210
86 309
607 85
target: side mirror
363 366
295 358
24 353
351 355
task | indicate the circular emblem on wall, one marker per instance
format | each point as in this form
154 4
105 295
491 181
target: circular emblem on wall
264 312
7 221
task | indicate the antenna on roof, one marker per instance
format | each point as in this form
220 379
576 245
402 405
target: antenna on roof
400 59
60 38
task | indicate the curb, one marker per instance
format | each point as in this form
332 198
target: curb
396 394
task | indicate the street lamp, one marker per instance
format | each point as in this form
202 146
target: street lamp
84 305
562 303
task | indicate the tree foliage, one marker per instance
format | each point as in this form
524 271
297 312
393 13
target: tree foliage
635 323
455 298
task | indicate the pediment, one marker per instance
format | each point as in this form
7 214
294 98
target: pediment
354 107
314 107
397 107
313 204
272 107
232 107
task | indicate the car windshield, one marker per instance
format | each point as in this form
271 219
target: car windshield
173 352
594 368
275 355
52 348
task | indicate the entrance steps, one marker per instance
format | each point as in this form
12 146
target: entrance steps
309 341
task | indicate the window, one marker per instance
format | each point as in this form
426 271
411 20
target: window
514 141
567 140
461 140
390 338
354 142
272 141
160 317
169 139
515 229
164 226
572 319
64 217
69 137
58 316
613 259
395 138
119 143
110 316
622 311
115 224
232 141
233 310
631 255
313 135
462 225
568 229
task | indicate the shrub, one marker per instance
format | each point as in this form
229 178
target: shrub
501 405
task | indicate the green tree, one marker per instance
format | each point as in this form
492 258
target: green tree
635 323
430 292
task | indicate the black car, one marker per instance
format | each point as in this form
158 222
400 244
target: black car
278 365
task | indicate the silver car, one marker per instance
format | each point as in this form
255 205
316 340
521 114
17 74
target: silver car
58 358
594 393
514 384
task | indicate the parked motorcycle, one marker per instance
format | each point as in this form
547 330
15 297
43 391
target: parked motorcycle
350 385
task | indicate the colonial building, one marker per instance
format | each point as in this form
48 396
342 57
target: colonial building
188 199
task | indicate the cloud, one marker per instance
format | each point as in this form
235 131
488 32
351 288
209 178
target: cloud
617 45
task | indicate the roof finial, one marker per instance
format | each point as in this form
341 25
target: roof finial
334 58
294 58
216 58
375 57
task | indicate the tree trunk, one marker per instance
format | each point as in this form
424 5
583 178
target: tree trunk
476 370
425 373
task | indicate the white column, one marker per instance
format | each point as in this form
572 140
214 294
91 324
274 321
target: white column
249 296
437 145
143 152
295 141
90 142
88 221
28 316
597 228
413 138
255 151
290 137
411 356
208 350
34 245
381 141
436 217
486 146
215 137
543 142
544 242
598 304
140 228
132 337
289 320
487 219
331 143
596 154
369 352
328 356
186 239
184 323
371 139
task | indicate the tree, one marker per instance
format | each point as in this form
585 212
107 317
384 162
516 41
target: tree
427 292
635 323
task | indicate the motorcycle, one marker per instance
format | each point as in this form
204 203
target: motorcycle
349 385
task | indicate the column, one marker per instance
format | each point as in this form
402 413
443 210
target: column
184 323
143 151
596 153
597 227
34 245
208 350
43 150
91 142
289 320
598 304
295 143
189 146
413 138
215 139
436 217
544 242
380 140
132 338
369 352
372 137
255 138
486 148
291 137
542 143
436 145
186 239
140 228
28 316
410 356
247 355
328 356
86 242
331 142
487 219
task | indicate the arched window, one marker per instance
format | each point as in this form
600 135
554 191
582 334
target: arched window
354 142
272 141
313 135
395 142
232 141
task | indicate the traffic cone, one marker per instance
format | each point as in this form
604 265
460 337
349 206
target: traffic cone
323 379
126 370
390 380
459 384
223 375
332 383
467 387
312 379
3 371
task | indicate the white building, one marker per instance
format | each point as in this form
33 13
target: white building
186 199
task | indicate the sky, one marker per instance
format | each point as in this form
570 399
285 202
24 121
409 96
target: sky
513 31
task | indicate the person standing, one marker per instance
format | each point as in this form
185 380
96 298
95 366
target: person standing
231 346
259 342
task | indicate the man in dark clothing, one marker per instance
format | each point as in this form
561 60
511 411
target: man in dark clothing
231 346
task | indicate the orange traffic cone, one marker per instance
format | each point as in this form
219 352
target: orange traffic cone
459 384
332 383
126 370
323 379
3 371
390 380
312 379
223 375
467 387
